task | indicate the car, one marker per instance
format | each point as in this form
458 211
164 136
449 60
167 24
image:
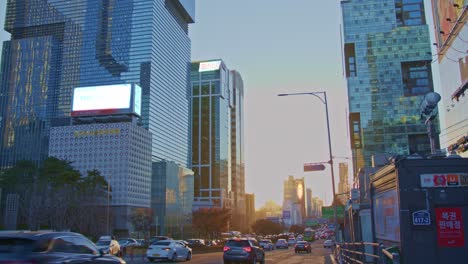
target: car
281 243
302 246
127 242
243 250
328 243
109 245
157 238
168 250
196 242
291 241
266 244
43 247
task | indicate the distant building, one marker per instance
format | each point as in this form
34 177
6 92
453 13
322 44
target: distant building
343 184
250 209
387 57
294 192
317 205
451 37
309 202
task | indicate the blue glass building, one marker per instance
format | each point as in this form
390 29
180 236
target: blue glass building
387 56
212 102
57 45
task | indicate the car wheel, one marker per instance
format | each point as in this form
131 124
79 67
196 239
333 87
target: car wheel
189 256
263 259
254 260
174 258
151 260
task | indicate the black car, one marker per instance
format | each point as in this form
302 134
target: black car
302 246
51 247
243 250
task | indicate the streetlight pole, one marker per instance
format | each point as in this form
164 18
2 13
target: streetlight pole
324 101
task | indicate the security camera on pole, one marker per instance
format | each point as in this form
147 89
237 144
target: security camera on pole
429 111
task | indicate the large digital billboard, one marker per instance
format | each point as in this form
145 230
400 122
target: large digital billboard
106 100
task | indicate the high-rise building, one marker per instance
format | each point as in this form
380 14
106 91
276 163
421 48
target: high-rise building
450 19
309 202
237 152
387 57
3 34
56 46
212 103
343 184
294 196
250 209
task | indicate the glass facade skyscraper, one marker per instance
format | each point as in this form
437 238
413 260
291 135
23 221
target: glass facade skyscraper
57 45
387 56
212 102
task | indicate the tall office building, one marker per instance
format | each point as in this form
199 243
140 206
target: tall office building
309 202
250 210
3 34
212 103
387 56
294 197
237 151
56 46
450 19
343 184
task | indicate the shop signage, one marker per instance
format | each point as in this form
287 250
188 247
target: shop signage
444 180
449 223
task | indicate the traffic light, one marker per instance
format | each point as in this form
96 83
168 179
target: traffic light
429 103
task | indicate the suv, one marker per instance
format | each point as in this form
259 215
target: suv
51 247
242 249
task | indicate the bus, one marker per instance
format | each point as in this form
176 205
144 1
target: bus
309 234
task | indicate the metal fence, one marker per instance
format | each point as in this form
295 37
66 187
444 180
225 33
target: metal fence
356 253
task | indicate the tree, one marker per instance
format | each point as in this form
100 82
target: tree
56 196
211 221
297 229
141 219
266 227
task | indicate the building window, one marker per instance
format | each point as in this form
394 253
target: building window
350 59
419 143
409 12
417 77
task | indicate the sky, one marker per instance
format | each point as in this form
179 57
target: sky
281 46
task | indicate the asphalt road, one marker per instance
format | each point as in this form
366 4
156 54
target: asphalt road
280 256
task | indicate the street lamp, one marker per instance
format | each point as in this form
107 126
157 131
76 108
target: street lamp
324 101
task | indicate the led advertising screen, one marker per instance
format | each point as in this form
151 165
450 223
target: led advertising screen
106 100
209 66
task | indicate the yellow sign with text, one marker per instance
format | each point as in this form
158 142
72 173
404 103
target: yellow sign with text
97 132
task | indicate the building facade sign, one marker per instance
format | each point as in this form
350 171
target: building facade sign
450 232
444 180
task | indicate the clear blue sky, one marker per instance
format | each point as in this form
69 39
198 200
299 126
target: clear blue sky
280 46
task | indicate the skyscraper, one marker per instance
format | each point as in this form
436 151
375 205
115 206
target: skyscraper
212 102
450 19
237 151
343 184
56 46
387 56
309 202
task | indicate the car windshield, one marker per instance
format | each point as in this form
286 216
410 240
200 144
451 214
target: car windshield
103 243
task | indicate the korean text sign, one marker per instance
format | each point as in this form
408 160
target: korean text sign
450 232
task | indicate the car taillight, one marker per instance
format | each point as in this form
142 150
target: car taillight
226 248
247 249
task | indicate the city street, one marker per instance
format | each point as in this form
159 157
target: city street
281 256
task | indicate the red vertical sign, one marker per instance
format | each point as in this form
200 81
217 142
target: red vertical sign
449 223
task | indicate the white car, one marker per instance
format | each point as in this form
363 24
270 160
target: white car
328 243
168 250
291 241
